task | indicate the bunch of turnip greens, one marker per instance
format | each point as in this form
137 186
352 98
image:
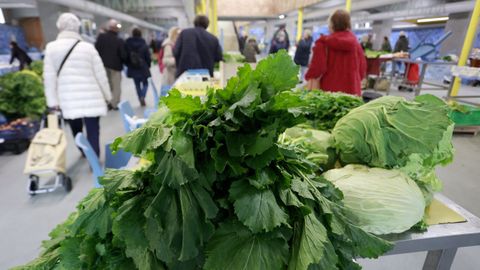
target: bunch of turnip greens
220 193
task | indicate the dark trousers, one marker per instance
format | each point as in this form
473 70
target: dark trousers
92 125
142 86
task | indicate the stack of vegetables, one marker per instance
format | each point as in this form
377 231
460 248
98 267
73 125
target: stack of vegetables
235 183
390 148
220 193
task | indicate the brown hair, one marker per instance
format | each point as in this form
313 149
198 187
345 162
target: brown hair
339 20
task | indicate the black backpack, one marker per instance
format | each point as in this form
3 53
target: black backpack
136 61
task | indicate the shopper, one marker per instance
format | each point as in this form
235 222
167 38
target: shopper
20 55
366 42
402 43
338 63
112 51
280 42
196 48
386 46
168 58
79 87
251 50
302 54
242 41
138 63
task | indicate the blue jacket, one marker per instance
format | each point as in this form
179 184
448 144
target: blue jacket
196 49
138 45
302 54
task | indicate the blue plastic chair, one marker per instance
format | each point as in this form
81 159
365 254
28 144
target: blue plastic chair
164 90
126 109
156 97
117 161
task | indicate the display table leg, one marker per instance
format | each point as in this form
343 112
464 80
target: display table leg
439 259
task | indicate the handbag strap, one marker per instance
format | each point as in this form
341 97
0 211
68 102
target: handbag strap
66 57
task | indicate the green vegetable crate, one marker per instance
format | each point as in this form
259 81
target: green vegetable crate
469 117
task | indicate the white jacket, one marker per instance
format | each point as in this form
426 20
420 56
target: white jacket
82 88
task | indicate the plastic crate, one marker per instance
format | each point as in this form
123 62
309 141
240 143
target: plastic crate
471 118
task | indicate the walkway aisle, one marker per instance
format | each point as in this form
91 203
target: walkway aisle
25 221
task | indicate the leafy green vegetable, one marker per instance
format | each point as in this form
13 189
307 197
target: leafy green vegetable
22 95
37 67
374 54
220 193
326 108
316 145
233 58
391 132
382 201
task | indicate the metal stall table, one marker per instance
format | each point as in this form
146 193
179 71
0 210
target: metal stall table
440 241
417 87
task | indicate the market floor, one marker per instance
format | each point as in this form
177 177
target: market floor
25 221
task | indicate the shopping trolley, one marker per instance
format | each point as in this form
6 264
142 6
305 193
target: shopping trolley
46 156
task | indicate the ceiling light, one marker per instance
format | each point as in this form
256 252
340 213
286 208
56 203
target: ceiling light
2 18
436 19
119 26
281 16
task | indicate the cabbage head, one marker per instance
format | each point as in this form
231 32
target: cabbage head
391 132
379 201
316 145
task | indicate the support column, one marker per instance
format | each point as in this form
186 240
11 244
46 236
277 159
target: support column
467 44
299 24
213 16
49 14
348 5
381 29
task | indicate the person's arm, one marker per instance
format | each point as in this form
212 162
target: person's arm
101 75
257 49
12 57
218 53
122 52
318 64
50 80
147 55
362 62
168 58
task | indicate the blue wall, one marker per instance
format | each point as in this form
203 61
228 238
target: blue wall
7 32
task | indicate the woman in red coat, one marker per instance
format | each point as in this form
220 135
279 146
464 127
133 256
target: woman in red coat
338 60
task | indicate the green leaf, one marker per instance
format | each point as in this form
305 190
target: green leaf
173 171
94 215
177 103
183 146
143 139
234 246
117 180
256 209
312 248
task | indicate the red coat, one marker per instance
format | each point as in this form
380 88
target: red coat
338 60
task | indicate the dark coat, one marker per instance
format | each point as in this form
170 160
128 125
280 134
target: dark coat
138 45
250 52
402 45
21 55
302 54
196 49
386 47
112 50
277 46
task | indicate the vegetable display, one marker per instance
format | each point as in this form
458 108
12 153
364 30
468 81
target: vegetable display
326 108
22 95
382 201
390 132
220 192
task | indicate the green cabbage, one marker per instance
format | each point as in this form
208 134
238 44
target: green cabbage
391 132
316 145
380 201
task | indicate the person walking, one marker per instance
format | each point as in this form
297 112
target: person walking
251 50
138 63
338 62
402 43
196 48
112 51
75 80
20 55
279 42
168 58
302 54
386 46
